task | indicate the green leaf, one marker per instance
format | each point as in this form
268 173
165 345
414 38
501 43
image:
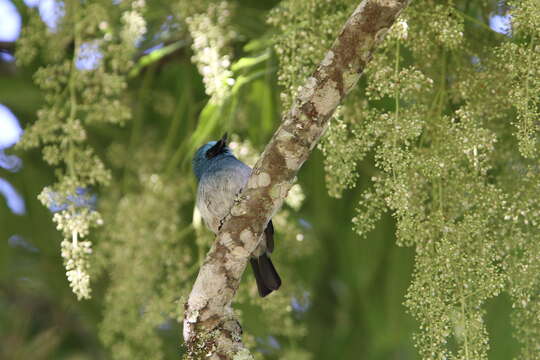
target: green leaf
247 62
155 56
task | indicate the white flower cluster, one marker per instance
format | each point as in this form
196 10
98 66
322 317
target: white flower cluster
295 197
74 216
134 23
399 30
75 254
76 223
243 150
210 39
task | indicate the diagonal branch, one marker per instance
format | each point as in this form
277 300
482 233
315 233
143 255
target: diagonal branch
210 329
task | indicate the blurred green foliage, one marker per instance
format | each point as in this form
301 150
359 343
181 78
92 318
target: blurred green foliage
435 151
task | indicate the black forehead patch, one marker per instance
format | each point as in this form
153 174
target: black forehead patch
219 148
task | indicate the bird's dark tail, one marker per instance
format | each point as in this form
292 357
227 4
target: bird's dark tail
266 275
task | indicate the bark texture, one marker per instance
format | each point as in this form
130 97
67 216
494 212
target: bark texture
210 329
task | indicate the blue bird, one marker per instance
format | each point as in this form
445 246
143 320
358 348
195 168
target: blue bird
221 176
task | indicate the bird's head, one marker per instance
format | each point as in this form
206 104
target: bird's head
208 153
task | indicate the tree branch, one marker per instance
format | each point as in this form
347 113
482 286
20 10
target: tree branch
7 46
210 329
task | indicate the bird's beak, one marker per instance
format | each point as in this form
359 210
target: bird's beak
223 141
218 148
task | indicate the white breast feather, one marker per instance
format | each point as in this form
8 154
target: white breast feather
216 193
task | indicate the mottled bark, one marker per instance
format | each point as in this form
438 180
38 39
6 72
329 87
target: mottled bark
210 329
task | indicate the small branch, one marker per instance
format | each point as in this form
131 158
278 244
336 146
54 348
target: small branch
7 46
210 329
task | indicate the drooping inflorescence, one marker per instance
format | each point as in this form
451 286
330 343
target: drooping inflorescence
442 113
81 89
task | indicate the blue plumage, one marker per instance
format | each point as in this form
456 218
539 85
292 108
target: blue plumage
221 176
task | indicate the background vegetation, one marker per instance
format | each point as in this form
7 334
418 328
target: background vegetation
412 233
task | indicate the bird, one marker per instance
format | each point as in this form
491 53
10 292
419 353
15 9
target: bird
221 176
